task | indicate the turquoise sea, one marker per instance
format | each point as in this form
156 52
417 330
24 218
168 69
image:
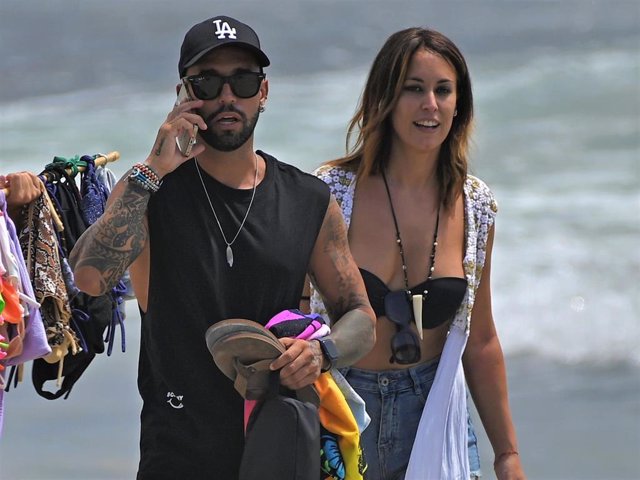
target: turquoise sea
557 90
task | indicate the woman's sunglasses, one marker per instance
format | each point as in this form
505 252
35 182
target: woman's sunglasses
405 345
207 86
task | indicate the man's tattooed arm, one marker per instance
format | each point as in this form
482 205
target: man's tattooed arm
336 275
107 248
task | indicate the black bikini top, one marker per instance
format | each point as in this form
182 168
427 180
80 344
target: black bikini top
442 302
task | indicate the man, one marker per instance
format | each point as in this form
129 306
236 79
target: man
227 232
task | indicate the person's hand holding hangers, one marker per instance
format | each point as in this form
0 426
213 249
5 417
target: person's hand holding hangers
21 188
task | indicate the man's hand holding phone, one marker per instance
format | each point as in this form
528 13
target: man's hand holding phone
176 140
187 139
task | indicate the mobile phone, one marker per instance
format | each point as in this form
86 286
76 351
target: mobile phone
185 140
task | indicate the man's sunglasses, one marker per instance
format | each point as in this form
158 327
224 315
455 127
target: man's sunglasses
405 345
207 86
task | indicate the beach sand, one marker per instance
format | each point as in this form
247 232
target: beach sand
573 422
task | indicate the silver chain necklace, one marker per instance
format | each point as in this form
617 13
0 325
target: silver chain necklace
224 237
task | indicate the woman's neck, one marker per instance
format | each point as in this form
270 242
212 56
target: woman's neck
412 170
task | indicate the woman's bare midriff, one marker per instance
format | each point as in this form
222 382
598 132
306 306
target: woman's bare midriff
378 358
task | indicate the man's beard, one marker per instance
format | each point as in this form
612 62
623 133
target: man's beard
229 141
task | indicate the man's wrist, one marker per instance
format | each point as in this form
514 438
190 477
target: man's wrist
329 353
317 352
145 177
154 168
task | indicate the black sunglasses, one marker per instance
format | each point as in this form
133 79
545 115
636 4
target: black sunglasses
207 86
405 345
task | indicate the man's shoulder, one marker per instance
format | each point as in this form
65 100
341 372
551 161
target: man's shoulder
294 177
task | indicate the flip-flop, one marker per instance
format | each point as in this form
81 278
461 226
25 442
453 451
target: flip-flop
243 350
246 348
245 359
232 325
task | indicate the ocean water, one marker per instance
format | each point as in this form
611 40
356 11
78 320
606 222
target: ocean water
557 91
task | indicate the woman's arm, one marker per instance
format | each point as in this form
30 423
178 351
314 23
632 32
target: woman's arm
486 376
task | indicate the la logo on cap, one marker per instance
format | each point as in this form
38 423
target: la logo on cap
224 30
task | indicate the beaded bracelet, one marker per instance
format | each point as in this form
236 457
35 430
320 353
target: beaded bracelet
144 176
149 172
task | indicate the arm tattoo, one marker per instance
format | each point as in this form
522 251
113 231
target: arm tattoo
348 307
112 243
337 248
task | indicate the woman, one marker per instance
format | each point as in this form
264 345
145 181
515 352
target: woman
421 231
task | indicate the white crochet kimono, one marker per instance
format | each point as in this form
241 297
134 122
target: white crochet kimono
440 447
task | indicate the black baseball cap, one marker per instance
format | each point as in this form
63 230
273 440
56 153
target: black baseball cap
216 32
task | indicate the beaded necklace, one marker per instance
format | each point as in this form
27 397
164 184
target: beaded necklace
399 242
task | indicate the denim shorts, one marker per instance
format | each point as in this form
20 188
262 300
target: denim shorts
394 400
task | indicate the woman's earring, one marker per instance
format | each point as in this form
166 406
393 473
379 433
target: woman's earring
455 112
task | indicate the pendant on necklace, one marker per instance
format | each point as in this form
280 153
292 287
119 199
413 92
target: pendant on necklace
229 256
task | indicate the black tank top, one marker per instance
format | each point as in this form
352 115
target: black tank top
192 417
